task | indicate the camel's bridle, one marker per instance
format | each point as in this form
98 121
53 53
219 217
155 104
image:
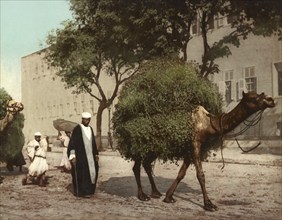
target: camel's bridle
248 123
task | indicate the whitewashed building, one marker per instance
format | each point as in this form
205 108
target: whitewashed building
256 65
46 99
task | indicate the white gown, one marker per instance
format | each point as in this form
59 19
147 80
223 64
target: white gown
65 160
39 163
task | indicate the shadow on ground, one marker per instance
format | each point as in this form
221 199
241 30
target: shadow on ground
4 171
126 186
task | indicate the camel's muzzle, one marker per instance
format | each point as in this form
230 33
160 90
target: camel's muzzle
269 102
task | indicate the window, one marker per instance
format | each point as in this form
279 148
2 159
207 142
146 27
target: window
54 111
211 24
251 79
36 68
280 83
36 110
278 68
61 110
251 84
229 87
220 21
92 106
49 110
228 91
248 83
241 87
76 105
231 19
75 108
83 106
42 67
194 27
43 110
221 88
279 128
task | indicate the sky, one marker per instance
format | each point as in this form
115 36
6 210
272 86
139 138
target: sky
24 26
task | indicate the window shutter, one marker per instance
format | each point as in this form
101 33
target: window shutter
221 88
233 90
242 87
194 28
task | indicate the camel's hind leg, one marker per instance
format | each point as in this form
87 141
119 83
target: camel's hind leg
182 172
208 205
148 168
136 169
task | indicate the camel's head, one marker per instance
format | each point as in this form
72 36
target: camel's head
256 102
14 107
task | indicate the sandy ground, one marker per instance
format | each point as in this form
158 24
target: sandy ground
249 187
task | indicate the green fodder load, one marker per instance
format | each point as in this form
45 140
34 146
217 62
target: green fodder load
154 110
12 137
4 99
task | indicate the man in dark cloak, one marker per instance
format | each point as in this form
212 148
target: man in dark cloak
83 154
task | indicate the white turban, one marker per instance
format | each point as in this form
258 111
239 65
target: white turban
86 115
37 134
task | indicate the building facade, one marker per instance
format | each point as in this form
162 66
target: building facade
46 99
255 66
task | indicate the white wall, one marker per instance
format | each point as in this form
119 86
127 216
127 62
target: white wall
46 99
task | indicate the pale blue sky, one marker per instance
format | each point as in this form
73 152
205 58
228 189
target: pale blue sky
25 25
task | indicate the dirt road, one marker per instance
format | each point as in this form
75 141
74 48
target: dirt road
241 191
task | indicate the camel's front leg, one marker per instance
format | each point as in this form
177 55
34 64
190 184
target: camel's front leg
136 169
208 205
169 194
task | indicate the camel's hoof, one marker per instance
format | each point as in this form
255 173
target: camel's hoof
143 197
210 207
24 181
156 195
169 200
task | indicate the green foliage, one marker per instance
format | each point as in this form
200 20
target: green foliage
4 98
12 138
260 17
155 108
157 27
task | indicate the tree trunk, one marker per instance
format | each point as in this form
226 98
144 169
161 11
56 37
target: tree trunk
99 127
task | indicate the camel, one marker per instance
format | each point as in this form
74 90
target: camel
12 109
205 125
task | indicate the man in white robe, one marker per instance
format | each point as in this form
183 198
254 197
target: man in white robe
38 165
30 148
64 137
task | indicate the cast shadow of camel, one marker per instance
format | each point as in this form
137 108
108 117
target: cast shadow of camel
5 172
125 186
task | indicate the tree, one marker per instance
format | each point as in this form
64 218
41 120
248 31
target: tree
103 40
82 55
258 17
158 24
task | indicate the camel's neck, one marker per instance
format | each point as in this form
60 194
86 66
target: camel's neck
232 119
